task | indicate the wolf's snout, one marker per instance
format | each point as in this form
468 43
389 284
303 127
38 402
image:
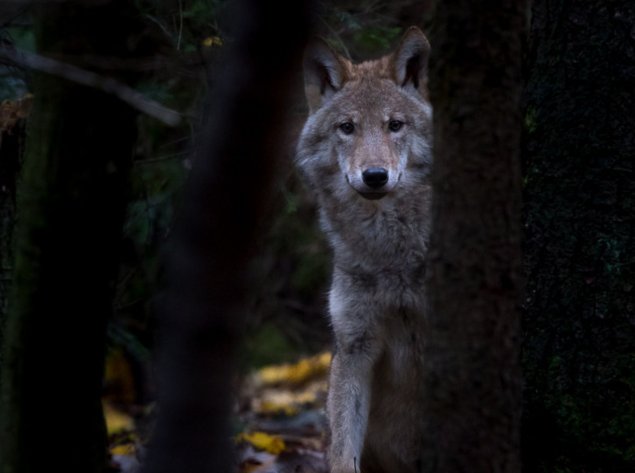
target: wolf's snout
375 177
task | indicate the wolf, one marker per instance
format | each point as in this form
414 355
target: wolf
366 153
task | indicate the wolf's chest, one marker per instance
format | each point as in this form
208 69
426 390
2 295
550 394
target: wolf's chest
379 241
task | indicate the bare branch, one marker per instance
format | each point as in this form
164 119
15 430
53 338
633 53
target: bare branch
91 79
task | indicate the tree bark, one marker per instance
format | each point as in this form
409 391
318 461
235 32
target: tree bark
71 204
579 315
12 134
472 380
202 310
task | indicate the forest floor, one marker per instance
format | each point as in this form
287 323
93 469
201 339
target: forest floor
279 423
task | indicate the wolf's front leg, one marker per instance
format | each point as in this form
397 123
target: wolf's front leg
358 347
348 406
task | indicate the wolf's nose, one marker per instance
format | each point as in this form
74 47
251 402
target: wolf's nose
375 177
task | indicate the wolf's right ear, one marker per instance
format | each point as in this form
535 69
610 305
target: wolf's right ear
324 74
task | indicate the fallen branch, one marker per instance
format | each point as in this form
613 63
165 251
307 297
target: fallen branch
91 79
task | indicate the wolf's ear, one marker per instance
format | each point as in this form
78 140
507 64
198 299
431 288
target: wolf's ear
410 60
324 74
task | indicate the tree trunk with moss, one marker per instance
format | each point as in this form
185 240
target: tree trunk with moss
579 315
71 203
472 380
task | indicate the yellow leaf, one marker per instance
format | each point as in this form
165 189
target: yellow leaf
277 400
117 421
126 449
262 441
270 407
296 373
212 41
119 378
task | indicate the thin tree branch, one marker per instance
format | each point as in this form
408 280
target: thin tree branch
91 79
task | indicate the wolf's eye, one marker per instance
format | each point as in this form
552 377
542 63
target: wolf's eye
347 128
395 125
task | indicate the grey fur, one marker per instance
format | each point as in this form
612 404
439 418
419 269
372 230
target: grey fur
377 303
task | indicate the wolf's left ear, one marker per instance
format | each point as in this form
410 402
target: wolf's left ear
410 60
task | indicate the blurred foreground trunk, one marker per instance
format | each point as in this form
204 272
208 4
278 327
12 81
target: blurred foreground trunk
71 203
472 381
215 235
579 316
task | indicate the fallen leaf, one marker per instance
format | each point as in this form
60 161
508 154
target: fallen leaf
119 381
263 441
212 41
296 373
124 449
117 421
276 408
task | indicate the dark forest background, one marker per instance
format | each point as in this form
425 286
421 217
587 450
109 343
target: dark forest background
96 148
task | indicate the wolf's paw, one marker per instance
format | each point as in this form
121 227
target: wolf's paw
344 470
345 466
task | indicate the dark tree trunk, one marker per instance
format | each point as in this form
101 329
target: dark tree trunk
12 135
71 203
217 232
472 380
579 316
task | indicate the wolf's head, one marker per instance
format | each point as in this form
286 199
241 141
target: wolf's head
369 126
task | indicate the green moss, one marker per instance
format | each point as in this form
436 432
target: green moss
530 120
